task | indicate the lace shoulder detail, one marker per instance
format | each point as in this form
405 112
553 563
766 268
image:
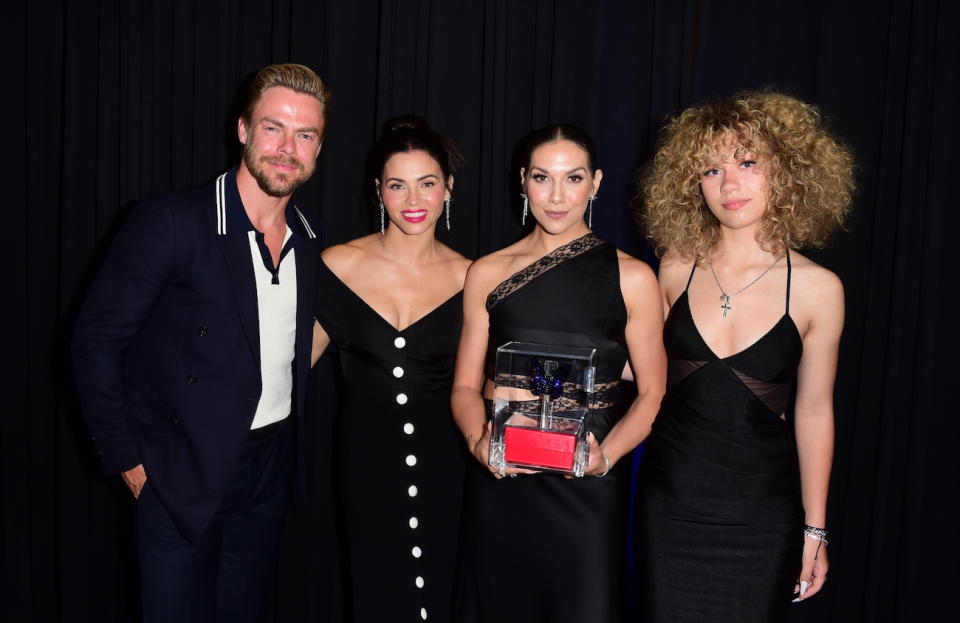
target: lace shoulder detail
526 275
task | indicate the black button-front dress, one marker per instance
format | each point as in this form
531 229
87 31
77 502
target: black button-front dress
719 527
399 458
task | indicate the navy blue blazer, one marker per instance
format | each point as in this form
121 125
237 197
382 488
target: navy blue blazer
166 347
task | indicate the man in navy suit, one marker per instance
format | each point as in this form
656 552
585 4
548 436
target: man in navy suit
191 354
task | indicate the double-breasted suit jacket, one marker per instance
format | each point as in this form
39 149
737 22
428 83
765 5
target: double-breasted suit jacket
167 345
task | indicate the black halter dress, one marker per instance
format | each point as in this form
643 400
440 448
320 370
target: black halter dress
542 548
719 521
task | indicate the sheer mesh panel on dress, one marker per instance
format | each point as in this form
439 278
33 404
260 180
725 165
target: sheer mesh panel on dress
679 369
776 396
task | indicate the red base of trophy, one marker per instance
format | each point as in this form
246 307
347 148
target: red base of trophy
534 447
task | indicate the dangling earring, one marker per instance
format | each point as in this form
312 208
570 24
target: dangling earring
590 211
523 219
446 209
383 227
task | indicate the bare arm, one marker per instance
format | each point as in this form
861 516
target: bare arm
814 419
466 399
644 333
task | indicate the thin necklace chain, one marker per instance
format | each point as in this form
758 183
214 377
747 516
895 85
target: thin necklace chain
725 298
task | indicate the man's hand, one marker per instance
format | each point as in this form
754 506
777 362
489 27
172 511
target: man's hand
135 478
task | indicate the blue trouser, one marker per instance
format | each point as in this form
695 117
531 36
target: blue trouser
222 577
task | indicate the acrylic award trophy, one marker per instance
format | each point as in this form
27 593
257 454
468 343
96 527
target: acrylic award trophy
542 403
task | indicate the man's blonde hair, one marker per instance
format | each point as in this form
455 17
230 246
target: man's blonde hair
299 78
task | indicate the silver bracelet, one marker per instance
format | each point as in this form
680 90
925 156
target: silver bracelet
606 462
817 534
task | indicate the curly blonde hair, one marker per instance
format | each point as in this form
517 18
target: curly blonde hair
809 174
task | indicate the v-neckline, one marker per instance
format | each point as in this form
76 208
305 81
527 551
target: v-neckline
380 316
696 329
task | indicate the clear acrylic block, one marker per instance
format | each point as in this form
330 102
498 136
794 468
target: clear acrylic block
542 404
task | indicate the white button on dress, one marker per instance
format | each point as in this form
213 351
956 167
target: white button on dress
411 460
419 581
423 613
398 372
408 428
401 399
399 342
412 491
414 522
416 551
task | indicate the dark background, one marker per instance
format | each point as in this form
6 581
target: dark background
109 101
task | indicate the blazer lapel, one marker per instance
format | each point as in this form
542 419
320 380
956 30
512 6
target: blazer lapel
232 227
236 251
307 252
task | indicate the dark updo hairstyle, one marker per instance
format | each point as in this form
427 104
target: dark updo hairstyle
411 133
559 132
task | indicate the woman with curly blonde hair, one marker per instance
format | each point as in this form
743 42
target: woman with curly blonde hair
731 506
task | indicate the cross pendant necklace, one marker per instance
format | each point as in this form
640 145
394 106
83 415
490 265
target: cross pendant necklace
725 303
725 298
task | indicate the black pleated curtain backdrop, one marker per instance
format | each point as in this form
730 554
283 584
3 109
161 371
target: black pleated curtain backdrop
113 100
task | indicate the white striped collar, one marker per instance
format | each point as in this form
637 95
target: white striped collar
226 188
221 205
306 225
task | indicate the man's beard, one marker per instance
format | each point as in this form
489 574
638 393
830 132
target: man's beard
283 184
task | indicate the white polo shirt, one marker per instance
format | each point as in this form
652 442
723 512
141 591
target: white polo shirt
277 318
276 298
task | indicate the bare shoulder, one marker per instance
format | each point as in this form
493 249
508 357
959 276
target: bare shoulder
634 272
486 272
814 282
457 262
342 258
674 272
638 286
816 297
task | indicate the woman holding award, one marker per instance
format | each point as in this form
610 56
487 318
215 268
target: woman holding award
731 506
392 303
542 547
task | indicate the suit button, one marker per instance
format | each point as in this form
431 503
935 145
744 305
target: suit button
202 331
191 380
175 420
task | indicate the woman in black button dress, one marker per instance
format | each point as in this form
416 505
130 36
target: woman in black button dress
391 301
731 506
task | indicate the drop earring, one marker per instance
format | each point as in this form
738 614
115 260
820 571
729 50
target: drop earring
590 211
446 209
523 218
383 227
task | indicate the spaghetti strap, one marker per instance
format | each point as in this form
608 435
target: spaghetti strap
789 270
690 278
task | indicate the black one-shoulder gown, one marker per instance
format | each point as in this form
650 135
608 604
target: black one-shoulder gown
542 548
